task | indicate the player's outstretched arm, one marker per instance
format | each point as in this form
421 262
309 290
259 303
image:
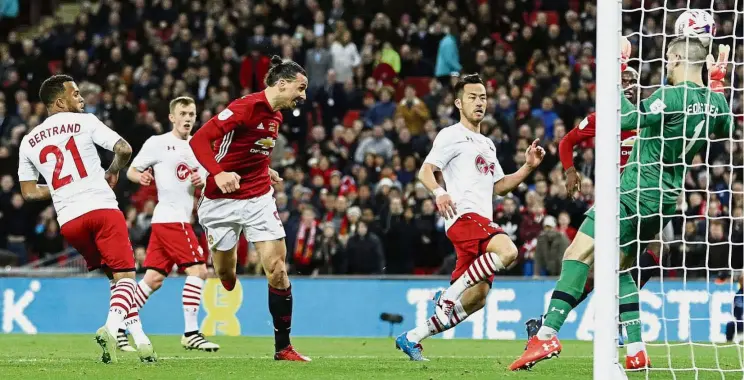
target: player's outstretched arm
534 156
31 191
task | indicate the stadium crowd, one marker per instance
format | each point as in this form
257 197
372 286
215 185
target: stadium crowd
380 73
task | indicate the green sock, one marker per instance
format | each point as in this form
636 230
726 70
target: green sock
630 314
567 291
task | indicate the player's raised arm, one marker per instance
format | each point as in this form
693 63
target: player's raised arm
28 177
201 144
534 156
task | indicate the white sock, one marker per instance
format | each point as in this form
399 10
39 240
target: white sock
433 327
480 270
191 299
120 303
142 294
546 333
134 325
632 349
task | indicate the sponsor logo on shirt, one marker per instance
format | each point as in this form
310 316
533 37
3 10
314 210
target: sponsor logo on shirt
265 145
182 171
483 166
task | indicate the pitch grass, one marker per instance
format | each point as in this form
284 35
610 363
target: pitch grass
61 357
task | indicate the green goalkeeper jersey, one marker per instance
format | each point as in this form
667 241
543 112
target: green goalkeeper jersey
674 124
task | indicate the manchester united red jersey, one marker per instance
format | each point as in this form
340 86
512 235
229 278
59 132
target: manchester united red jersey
586 130
239 139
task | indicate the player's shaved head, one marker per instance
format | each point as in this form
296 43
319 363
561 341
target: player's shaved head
689 49
53 88
180 101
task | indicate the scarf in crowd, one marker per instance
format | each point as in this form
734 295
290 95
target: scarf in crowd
344 228
305 245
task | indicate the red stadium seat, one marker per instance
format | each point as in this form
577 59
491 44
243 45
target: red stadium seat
421 84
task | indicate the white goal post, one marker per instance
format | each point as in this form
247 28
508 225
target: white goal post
606 192
683 343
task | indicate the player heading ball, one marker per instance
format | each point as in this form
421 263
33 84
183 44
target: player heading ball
234 147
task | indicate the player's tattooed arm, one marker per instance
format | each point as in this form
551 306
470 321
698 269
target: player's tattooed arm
122 154
31 191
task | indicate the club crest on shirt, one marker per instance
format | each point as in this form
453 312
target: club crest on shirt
210 239
483 166
182 171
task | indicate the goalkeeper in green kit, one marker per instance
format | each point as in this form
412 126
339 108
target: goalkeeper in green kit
674 124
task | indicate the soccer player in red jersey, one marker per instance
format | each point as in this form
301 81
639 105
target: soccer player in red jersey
235 147
172 241
63 150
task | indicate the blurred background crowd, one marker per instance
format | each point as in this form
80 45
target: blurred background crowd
380 74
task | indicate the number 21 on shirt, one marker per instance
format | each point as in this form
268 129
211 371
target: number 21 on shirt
59 156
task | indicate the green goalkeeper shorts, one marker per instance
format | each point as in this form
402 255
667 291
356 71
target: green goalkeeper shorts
637 229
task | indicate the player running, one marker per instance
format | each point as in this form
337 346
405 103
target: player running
238 194
472 173
63 150
674 123
172 241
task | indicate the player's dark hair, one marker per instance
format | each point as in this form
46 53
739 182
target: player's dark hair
282 70
464 80
52 88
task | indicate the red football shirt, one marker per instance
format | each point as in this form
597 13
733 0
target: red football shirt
584 131
239 139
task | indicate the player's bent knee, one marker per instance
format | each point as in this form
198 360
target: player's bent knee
504 248
199 270
116 276
154 279
581 249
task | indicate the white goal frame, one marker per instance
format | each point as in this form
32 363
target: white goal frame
606 192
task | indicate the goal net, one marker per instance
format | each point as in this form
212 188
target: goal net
688 305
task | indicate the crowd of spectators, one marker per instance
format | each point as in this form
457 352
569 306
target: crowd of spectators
380 74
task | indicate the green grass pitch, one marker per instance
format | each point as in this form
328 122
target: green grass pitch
62 357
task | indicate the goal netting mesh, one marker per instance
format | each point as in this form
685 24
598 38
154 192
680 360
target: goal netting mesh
686 307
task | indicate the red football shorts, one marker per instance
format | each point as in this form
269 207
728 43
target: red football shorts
470 235
172 244
102 238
